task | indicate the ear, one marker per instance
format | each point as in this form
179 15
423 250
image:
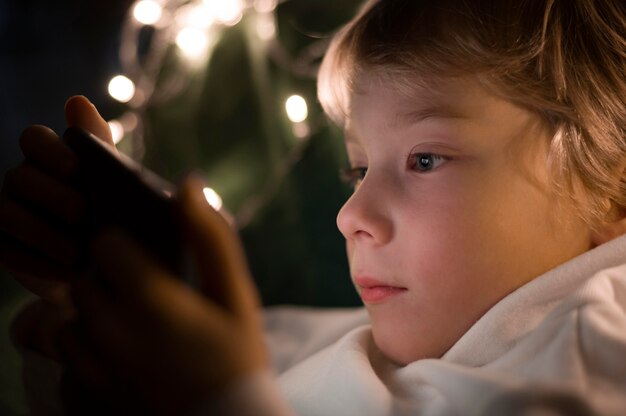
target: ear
607 231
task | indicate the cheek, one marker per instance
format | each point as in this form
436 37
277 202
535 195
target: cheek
447 250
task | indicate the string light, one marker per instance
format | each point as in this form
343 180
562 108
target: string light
122 89
266 27
117 131
301 130
195 15
227 12
265 6
129 121
147 12
213 198
194 26
192 42
297 109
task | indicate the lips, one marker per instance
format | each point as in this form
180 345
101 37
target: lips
376 291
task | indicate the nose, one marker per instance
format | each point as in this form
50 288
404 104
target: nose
366 216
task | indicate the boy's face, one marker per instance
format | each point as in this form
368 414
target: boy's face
455 211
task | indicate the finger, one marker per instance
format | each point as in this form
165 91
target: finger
80 112
89 385
21 224
49 289
217 251
44 191
37 325
110 327
74 350
42 147
28 264
35 272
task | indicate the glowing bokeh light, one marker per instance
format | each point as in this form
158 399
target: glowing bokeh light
121 88
213 198
265 6
192 42
227 12
301 130
198 16
297 109
117 131
147 12
266 27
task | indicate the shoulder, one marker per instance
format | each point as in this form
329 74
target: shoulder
578 334
598 310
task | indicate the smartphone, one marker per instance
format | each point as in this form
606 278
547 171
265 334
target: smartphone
122 193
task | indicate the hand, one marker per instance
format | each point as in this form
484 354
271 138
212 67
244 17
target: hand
40 211
155 335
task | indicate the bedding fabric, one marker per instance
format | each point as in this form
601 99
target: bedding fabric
555 346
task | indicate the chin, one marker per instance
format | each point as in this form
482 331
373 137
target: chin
403 346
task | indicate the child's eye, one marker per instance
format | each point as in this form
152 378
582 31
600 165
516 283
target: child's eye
353 176
425 162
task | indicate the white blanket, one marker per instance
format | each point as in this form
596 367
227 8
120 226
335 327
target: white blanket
558 343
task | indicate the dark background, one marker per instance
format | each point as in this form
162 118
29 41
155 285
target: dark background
50 50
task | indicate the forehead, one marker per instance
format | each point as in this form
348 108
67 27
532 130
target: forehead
458 107
404 103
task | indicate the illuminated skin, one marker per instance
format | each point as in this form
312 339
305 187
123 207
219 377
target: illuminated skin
454 212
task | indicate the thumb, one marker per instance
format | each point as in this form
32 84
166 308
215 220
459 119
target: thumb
80 112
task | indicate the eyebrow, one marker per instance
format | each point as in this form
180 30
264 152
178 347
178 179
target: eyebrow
415 116
427 113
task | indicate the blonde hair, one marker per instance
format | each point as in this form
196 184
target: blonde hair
564 60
